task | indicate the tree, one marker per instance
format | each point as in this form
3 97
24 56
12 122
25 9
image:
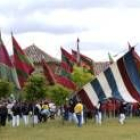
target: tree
58 94
5 88
35 87
81 76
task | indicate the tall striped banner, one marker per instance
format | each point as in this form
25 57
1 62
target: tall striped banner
7 69
120 81
23 65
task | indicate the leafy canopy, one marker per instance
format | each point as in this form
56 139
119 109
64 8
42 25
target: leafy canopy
6 88
35 87
58 93
81 76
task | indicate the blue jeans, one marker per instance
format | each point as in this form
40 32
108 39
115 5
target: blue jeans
79 118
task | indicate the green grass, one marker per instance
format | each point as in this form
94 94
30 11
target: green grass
56 130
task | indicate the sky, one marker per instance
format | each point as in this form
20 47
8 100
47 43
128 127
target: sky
101 25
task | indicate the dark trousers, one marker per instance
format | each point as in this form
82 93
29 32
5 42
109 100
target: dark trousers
3 120
79 118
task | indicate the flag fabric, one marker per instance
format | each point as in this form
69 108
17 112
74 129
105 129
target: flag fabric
55 78
23 65
48 73
137 59
62 80
67 62
123 66
120 81
7 69
132 70
85 61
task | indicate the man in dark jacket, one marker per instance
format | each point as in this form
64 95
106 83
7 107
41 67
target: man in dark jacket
25 113
16 109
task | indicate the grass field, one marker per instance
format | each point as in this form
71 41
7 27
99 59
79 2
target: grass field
56 130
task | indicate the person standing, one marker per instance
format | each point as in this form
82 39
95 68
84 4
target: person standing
45 111
78 110
122 113
71 113
16 110
3 114
36 113
25 112
9 107
98 114
66 111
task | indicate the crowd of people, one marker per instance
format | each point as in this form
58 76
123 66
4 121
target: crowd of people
105 109
15 111
73 111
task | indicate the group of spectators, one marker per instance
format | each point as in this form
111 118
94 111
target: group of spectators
73 110
29 112
105 109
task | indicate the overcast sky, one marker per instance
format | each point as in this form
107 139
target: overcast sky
102 25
